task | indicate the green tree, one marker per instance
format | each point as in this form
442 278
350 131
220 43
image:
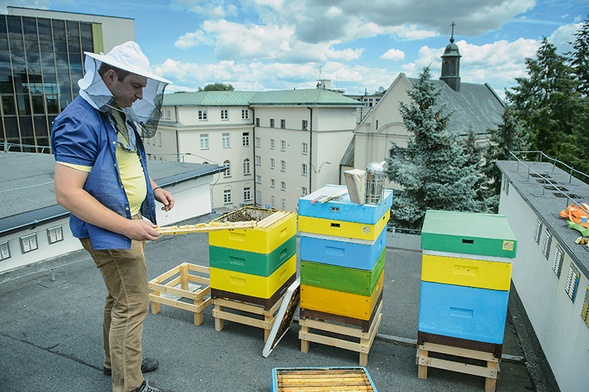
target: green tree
217 87
432 169
508 137
579 58
546 102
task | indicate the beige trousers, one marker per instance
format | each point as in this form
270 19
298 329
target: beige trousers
125 275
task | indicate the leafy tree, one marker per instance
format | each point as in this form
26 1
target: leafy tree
217 87
432 169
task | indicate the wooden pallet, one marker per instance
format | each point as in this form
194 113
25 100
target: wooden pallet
177 285
489 367
349 337
353 379
237 311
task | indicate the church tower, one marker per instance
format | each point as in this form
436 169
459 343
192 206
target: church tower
451 64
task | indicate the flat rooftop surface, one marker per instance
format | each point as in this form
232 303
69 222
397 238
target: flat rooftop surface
51 338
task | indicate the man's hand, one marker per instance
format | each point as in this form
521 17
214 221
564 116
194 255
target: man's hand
141 229
164 197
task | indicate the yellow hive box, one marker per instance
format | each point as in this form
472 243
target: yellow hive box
274 228
457 270
253 285
345 229
341 303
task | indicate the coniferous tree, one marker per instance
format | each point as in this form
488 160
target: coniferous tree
579 59
432 169
507 138
473 153
546 103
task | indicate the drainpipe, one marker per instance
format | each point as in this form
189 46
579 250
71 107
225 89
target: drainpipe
310 149
254 143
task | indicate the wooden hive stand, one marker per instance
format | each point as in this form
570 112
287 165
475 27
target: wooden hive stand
248 310
489 367
179 285
352 336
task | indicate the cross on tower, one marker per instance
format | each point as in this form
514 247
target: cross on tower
452 35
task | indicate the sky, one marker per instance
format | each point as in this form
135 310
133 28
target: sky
360 45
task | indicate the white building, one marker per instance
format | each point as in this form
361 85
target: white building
472 106
33 227
551 271
276 145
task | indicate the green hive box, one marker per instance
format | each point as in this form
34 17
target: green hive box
468 233
349 280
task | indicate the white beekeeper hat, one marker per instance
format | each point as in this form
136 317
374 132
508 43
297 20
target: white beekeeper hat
128 57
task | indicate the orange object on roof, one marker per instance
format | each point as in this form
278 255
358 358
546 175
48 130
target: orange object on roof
577 213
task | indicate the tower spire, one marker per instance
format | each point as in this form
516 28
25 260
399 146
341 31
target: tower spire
451 63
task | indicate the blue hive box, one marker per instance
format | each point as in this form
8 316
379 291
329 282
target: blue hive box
352 254
463 312
343 209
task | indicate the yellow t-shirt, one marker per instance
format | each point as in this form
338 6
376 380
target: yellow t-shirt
131 177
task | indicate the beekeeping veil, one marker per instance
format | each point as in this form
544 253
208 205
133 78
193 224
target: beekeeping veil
145 112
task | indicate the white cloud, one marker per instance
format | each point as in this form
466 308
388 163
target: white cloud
393 54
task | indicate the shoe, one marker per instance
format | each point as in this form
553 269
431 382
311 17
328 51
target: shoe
144 387
147 365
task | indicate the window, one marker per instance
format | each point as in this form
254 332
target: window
245 115
271 123
247 193
246 167
283 145
224 114
227 172
538 231
258 142
168 115
4 251
273 201
204 141
506 185
282 123
258 197
272 183
585 310
54 234
272 163
227 196
558 258
283 204
258 179
304 148
257 121
304 191
546 241
572 282
225 140
202 114
282 185
258 160
283 166
28 243
305 125
272 144
245 137
304 169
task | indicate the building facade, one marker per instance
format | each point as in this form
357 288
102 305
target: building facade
41 61
275 145
551 271
472 107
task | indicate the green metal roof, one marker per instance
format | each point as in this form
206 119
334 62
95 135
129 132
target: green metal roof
209 98
305 97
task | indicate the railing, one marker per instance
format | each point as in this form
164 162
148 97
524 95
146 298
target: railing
545 180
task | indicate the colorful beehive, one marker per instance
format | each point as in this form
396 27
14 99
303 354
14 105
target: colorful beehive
253 262
342 251
465 281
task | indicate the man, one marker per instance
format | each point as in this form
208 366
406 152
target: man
101 178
